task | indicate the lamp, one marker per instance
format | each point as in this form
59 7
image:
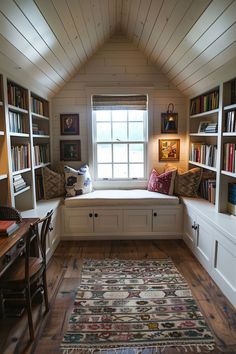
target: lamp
169 120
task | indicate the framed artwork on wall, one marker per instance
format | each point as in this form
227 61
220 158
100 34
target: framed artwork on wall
70 150
69 124
169 121
169 149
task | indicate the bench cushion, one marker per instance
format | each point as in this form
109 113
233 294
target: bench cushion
121 198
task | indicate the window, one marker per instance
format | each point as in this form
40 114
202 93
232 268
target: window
120 137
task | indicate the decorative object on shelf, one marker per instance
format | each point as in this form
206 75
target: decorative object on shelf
69 124
169 149
70 150
169 121
202 126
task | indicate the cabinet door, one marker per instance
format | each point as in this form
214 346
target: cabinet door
203 247
189 231
78 221
168 220
137 220
54 235
108 221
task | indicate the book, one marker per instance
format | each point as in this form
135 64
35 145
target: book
7 227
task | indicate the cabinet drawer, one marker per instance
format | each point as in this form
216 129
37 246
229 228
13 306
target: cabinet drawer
137 220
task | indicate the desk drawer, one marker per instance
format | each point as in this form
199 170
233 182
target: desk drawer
8 258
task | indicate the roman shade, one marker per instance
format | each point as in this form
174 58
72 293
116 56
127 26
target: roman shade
122 102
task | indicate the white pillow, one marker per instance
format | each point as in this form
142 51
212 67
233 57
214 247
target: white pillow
77 182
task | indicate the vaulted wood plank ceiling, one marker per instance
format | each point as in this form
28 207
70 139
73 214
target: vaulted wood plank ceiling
48 41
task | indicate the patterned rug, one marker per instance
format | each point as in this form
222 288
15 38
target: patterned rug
138 304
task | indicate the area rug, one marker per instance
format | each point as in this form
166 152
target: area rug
135 304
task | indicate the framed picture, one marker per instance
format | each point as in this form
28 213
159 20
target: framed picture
169 149
202 126
69 124
169 123
70 150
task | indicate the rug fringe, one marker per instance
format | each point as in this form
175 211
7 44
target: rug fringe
187 348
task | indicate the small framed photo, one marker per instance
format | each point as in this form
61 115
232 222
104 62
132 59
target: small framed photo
70 150
169 149
202 126
169 123
69 124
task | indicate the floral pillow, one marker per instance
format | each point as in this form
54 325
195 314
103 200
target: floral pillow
77 182
162 183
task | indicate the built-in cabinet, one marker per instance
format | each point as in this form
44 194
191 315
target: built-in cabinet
129 221
24 143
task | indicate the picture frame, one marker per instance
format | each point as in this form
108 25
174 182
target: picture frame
70 150
169 123
202 126
69 124
169 149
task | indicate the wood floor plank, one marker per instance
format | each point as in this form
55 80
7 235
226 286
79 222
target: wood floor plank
64 273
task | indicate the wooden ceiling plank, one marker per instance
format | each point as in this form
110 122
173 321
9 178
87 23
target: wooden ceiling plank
86 11
141 19
33 14
97 17
50 14
213 11
70 28
133 16
112 15
151 19
16 39
124 15
215 76
171 27
75 11
118 15
222 42
223 57
212 33
15 16
105 13
100 20
160 24
194 12
24 64
12 70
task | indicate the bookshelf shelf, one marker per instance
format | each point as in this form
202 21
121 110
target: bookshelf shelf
204 114
19 135
227 173
17 109
22 191
42 165
36 136
228 108
21 171
2 177
211 168
229 134
204 134
39 116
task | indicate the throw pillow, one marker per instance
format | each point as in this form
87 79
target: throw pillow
163 183
53 183
77 181
187 183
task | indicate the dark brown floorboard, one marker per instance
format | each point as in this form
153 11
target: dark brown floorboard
64 273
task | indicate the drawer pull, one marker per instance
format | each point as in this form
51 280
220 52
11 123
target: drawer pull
90 215
96 215
154 214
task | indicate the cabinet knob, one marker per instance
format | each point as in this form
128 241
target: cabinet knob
96 215
154 214
21 243
90 215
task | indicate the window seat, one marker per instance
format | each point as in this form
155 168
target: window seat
122 214
121 197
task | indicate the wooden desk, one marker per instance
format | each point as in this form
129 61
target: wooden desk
12 246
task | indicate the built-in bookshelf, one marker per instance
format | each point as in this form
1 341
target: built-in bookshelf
212 136
24 144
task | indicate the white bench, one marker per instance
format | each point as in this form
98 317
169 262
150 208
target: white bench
122 214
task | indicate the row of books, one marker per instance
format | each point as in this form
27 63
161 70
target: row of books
204 154
36 129
229 163
18 123
41 154
20 155
231 206
211 127
204 103
17 96
207 189
38 106
230 121
18 182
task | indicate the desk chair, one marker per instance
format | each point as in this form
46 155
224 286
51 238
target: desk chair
27 275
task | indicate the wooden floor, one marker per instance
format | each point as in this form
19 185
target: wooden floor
64 276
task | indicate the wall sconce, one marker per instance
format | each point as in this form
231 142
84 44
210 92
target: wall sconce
169 120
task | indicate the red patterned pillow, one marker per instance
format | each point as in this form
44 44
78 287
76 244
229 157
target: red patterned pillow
163 183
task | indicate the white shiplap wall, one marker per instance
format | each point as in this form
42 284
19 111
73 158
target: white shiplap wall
119 67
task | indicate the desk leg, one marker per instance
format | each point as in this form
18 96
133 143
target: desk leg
2 312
